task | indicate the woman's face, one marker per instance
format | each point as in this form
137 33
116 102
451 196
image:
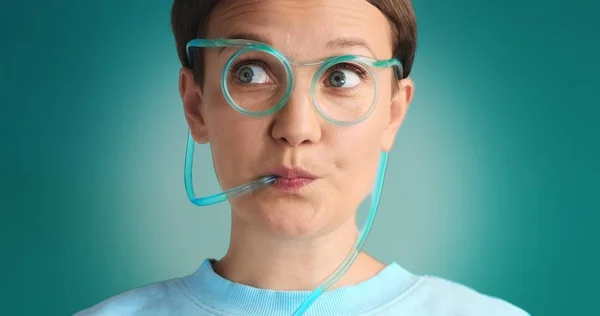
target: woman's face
341 160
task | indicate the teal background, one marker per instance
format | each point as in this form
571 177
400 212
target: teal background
493 182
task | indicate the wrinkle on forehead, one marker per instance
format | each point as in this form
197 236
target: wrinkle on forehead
301 29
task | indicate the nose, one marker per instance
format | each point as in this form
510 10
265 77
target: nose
297 122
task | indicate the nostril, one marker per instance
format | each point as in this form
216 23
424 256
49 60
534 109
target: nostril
294 141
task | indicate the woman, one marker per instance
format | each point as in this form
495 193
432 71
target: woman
302 100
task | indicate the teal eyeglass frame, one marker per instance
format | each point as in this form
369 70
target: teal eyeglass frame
287 62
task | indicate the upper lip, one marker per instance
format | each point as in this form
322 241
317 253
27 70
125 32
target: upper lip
292 173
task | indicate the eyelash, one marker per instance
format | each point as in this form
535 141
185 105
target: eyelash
347 66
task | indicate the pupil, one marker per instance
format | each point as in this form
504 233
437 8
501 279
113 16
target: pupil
246 75
337 79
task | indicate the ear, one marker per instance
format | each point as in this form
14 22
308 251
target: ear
191 96
400 103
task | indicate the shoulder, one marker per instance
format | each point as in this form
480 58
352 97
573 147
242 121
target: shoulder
446 297
154 297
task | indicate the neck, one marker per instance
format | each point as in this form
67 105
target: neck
266 261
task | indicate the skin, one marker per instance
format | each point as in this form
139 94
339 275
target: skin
293 241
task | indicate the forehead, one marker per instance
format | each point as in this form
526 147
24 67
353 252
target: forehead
306 29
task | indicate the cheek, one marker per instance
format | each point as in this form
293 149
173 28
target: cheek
235 141
357 159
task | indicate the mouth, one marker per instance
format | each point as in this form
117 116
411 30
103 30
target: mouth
291 180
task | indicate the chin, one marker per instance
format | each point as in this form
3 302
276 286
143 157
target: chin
289 216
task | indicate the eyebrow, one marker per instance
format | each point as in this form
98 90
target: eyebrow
332 44
350 42
247 36
250 36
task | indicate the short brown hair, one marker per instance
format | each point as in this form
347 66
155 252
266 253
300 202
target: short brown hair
189 20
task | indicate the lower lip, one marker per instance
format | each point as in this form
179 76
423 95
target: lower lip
291 185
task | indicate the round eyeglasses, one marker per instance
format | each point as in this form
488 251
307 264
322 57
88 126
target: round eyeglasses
257 80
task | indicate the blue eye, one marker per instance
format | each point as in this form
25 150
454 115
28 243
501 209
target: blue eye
252 74
343 79
345 76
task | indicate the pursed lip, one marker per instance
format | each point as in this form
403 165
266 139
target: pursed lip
292 173
291 180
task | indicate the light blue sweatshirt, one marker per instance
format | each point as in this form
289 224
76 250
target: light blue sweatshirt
394 291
